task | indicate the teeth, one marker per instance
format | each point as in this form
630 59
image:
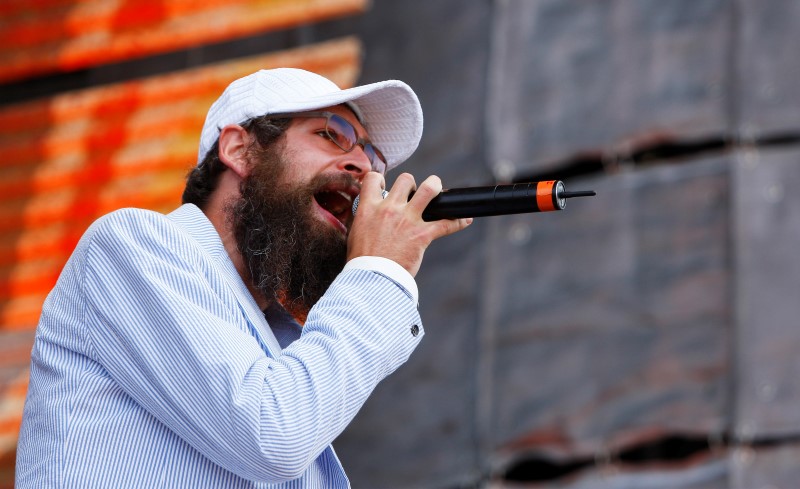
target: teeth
345 195
336 202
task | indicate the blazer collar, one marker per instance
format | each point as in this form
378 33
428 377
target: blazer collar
197 225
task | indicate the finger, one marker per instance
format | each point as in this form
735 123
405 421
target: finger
450 226
402 188
428 189
372 186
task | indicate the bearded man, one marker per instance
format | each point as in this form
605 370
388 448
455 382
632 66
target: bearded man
228 343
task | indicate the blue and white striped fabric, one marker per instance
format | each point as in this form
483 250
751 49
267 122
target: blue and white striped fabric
153 367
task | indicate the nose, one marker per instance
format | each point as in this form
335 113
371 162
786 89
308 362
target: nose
356 162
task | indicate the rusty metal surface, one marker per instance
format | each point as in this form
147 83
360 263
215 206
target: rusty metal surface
611 318
604 324
569 77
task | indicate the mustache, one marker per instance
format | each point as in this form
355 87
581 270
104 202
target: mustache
334 179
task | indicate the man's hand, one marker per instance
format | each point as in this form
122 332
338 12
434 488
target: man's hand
393 227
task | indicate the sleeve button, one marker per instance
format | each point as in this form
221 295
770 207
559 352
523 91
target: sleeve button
414 330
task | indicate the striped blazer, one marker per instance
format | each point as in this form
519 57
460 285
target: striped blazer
153 367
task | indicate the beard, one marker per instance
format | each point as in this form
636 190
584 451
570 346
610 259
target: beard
291 255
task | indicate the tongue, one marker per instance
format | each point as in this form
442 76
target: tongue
332 202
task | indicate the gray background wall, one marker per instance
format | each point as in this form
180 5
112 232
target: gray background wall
643 338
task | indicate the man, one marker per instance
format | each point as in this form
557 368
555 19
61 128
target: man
168 354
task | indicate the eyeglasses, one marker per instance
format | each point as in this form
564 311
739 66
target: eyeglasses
344 135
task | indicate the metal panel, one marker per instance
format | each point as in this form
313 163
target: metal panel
767 67
570 77
612 318
769 467
767 212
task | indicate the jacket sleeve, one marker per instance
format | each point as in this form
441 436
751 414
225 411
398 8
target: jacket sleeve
163 325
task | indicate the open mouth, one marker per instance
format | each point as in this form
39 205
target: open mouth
338 203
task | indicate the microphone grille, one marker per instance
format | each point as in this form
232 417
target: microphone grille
355 202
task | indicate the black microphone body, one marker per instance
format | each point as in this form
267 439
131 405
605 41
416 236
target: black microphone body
497 200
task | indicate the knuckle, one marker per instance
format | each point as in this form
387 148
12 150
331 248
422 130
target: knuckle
451 227
406 176
374 176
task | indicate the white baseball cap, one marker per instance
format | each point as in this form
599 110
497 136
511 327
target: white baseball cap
389 110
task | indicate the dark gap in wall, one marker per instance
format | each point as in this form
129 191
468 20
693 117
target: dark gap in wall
678 151
765 442
777 140
668 449
672 152
576 167
671 448
543 469
28 89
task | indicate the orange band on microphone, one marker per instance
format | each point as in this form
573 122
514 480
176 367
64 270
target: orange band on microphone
544 196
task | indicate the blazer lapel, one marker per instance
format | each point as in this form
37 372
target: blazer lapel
197 225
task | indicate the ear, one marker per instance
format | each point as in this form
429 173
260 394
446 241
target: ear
233 142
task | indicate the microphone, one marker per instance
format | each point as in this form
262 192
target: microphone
497 200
